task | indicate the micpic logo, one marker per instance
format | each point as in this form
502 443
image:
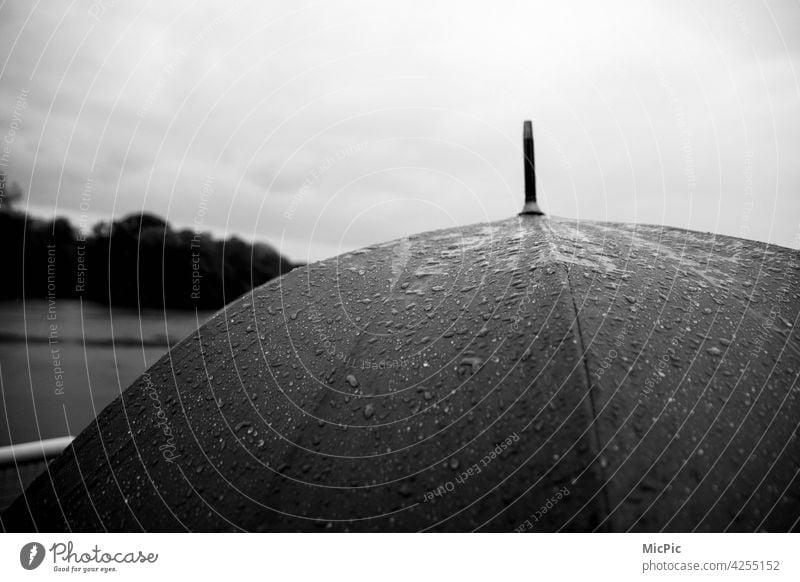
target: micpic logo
31 555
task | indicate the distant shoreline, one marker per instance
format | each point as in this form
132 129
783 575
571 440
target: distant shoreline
139 261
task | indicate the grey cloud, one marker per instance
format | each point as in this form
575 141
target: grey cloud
433 98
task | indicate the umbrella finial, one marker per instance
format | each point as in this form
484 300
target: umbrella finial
530 171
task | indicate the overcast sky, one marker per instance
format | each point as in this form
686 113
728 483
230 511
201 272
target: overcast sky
320 127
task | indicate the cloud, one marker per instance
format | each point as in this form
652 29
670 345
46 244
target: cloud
642 112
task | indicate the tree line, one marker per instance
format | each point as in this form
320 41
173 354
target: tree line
139 260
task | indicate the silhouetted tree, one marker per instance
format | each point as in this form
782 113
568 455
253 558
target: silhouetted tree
136 261
10 194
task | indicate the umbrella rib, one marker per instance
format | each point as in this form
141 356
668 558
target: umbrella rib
594 432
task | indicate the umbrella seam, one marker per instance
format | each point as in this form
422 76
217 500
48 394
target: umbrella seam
594 432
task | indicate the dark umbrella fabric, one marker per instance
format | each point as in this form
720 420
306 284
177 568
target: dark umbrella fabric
533 374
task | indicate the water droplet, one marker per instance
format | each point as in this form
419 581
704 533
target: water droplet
475 363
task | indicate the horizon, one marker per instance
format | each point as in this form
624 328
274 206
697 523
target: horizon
74 216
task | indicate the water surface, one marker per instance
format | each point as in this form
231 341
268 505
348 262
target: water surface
63 362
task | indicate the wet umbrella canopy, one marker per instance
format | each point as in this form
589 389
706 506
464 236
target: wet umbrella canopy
533 374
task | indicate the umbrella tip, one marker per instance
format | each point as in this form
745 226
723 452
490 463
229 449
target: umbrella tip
530 207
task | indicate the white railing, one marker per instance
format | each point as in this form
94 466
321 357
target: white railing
35 451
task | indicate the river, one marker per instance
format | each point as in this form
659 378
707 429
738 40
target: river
61 363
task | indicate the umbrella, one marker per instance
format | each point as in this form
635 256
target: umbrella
531 374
